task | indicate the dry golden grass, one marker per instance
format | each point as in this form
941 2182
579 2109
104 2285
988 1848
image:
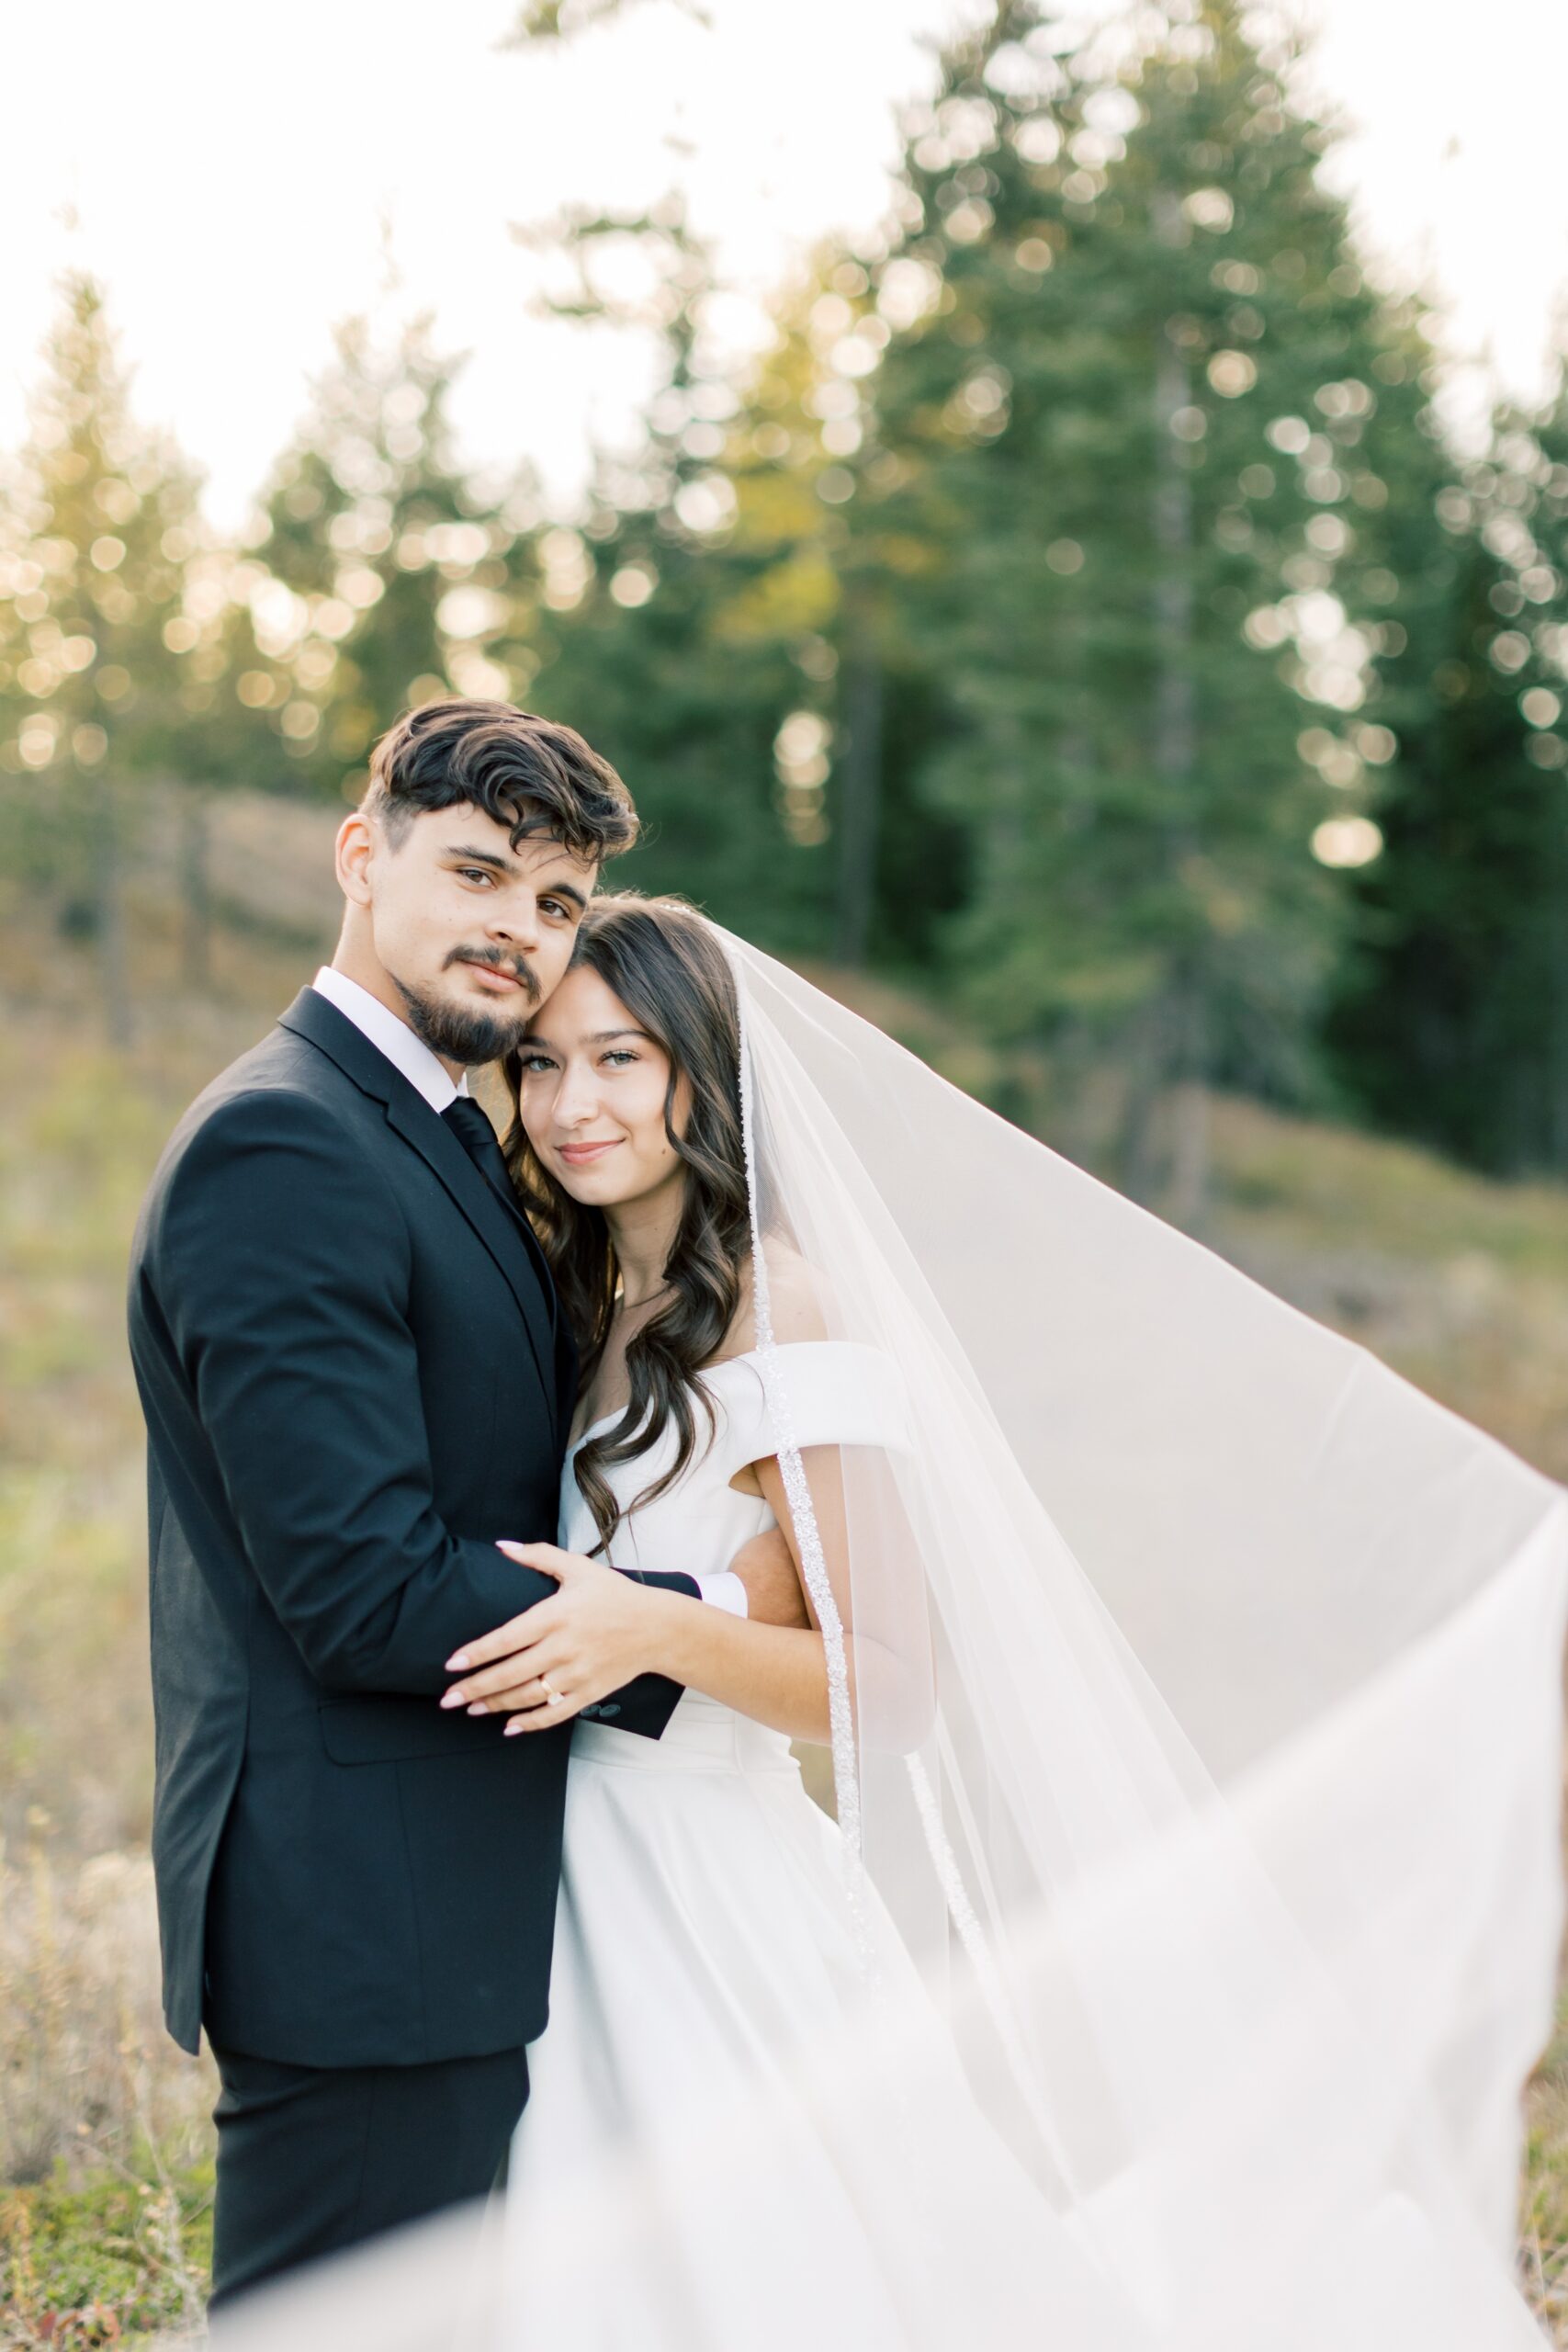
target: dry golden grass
104 2165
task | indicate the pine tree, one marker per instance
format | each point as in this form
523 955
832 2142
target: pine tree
377 575
1134 428
102 656
846 570
691 598
1452 1019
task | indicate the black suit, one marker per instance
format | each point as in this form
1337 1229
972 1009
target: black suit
346 1349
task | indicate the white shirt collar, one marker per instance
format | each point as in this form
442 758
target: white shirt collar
390 1036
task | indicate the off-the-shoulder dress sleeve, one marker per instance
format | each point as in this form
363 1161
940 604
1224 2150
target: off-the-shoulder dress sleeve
836 1392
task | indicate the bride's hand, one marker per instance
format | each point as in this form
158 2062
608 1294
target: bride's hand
564 1654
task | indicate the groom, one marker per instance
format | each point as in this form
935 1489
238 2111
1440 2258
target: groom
356 1380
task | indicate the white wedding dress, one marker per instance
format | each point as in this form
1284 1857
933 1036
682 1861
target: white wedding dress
737 2040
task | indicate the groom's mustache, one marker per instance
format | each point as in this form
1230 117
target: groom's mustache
515 965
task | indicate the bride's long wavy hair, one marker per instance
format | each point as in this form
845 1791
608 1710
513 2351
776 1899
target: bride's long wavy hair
664 963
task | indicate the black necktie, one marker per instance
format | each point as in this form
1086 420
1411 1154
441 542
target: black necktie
476 1135
478 1138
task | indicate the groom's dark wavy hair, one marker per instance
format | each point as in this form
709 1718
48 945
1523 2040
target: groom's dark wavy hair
667 967
535 777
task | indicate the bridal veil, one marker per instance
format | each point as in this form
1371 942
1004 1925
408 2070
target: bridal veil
1228 1827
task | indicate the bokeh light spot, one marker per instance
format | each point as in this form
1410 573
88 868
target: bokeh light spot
633 584
1232 373
1346 842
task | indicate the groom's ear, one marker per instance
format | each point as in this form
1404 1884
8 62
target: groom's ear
356 845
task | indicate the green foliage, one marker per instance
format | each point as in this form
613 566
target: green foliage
97 530
116 2259
102 660
679 609
378 577
1452 1018
1074 605
1137 428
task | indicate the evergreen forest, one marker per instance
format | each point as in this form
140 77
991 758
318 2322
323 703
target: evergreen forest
1075 612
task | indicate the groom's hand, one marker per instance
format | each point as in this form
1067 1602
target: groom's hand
595 1633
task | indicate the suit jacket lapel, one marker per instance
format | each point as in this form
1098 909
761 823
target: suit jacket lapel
566 1371
311 1017
440 1149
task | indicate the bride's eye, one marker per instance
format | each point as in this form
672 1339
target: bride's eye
620 1055
532 1062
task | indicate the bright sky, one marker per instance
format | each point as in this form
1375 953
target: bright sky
240 176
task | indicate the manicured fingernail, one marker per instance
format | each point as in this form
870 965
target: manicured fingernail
453 1699
458 1663
479 1708
512 1728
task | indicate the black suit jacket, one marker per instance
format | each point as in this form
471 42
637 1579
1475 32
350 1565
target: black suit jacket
346 1349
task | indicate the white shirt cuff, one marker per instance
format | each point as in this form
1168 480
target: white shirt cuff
725 1591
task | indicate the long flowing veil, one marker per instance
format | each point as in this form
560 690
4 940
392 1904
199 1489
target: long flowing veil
1200 1718
1197 1721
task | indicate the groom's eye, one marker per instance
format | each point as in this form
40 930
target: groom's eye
475 873
557 907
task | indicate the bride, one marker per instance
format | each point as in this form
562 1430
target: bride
1045 2032
713 1967
1185 1924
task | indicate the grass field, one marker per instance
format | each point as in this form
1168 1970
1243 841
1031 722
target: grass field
104 2145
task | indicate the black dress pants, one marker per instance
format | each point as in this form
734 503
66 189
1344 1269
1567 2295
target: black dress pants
313 2159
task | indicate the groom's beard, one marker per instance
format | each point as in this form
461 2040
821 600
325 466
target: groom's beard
466 1033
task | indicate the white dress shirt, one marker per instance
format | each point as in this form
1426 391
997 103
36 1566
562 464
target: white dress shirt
392 1036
